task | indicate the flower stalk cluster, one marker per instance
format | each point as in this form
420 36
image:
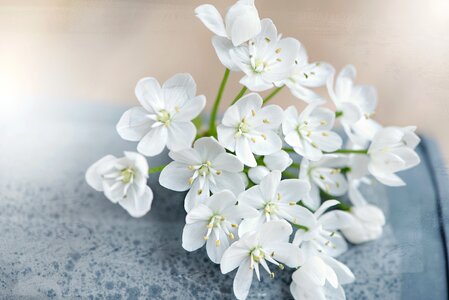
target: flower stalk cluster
261 182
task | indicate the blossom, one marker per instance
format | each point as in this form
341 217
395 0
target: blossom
324 174
165 116
307 75
320 278
123 181
241 24
249 128
278 161
391 151
309 133
362 223
268 244
267 59
318 233
355 103
274 200
214 222
202 169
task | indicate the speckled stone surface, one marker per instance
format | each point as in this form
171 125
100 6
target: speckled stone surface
61 239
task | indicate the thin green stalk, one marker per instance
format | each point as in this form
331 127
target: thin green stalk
272 94
213 115
349 151
289 175
295 165
240 94
156 169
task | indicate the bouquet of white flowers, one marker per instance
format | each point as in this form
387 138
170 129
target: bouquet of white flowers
246 196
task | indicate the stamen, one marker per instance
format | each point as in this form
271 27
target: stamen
292 203
231 235
217 243
267 39
253 112
266 121
264 136
278 50
234 225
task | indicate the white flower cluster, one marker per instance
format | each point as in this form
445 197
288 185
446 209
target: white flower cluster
247 200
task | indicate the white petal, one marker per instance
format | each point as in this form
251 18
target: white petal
328 141
251 224
317 74
93 178
242 22
227 162
274 232
325 206
268 143
208 148
234 256
219 201
186 156
190 110
287 254
153 142
211 18
243 280
290 120
134 124
270 116
269 185
222 47
180 135
215 252
279 160
200 213
293 190
138 206
243 152
344 274
226 136
175 177
148 92
256 174
193 236
184 81
228 181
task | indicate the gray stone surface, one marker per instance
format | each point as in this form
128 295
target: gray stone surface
61 239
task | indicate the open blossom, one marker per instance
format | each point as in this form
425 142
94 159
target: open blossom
319 233
278 161
307 75
324 174
309 133
274 200
320 278
356 104
124 181
214 222
268 244
391 151
241 24
248 128
165 116
267 59
202 169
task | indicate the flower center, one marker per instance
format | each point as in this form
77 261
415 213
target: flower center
243 128
164 117
204 169
127 174
270 208
259 66
257 254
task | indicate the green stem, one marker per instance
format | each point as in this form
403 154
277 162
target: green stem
289 175
213 115
289 150
272 94
240 94
156 169
295 165
300 227
349 151
338 114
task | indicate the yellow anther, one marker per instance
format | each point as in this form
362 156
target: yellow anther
266 121
253 112
191 180
177 108
314 145
272 274
264 136
208 163
281 266
272 254
231 235
217 243
218 172
279 59
191 168
200 191
292 203
309 133
210 225
206 237
253 140
323 122
324 133
278 50
234 225
267 39
279 196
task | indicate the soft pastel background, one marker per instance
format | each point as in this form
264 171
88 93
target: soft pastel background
96 50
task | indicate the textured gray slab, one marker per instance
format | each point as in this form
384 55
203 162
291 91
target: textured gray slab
60 239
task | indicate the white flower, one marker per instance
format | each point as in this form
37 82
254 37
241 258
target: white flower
309 133
391 151
267 60
275 200
356 103
319 233
165 116
214 223
268 244
307 75
249 128
123 181
324 174
202 169
241 24
278 161
320 278
362 223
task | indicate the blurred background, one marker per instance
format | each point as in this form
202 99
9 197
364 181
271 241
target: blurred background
96 51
